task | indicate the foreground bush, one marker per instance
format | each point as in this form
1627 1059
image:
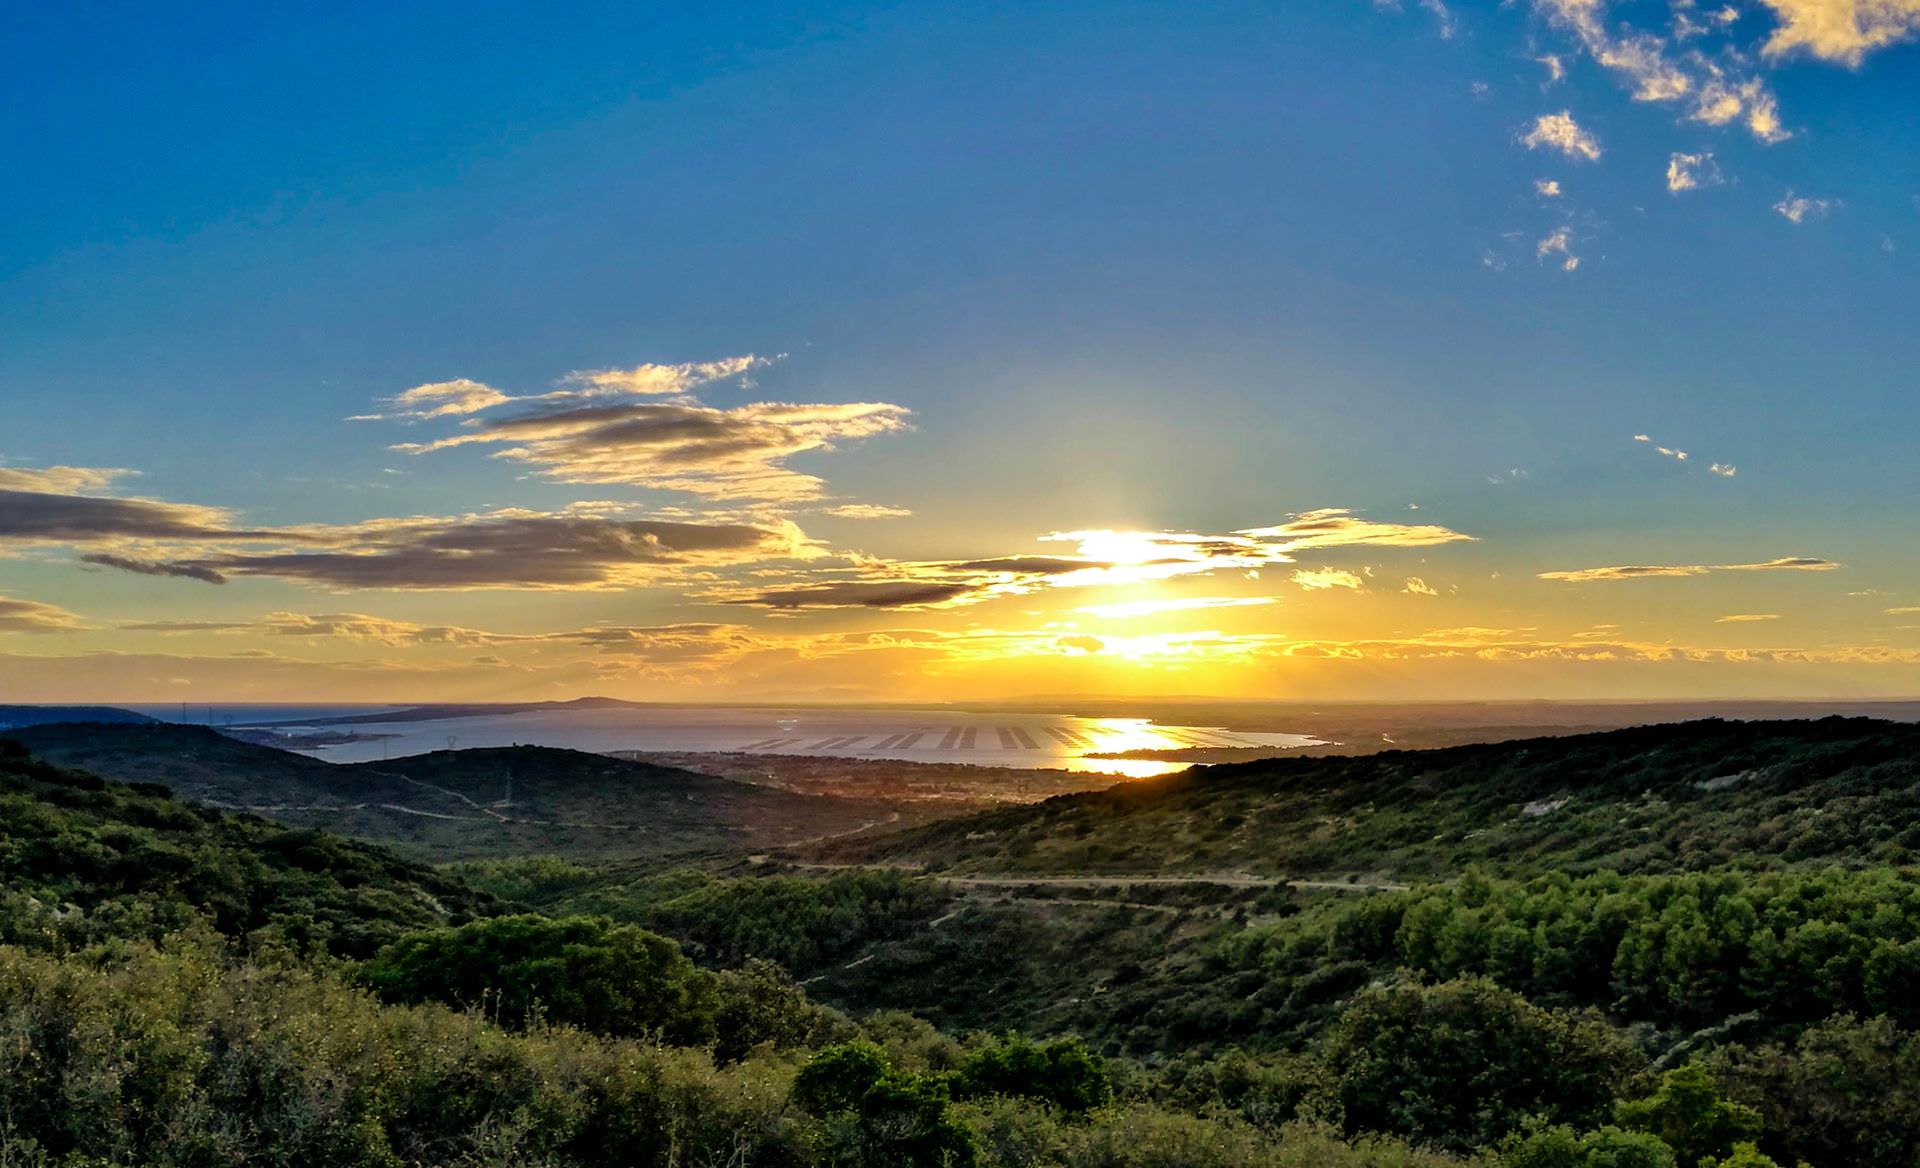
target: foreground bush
177 1058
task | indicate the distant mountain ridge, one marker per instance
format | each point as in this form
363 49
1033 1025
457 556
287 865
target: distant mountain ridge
13 717
460 804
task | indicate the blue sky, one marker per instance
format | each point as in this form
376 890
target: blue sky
1163 268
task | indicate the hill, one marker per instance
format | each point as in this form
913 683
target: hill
455 804
15 716
83 860
1649 799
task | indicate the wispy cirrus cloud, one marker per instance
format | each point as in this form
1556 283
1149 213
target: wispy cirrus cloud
462 396
660 380
1716 89
1654 571
1725 470
866 511
689 641
153 568
437 399
1798 209
1692 172
33 616
1558 245
1741 618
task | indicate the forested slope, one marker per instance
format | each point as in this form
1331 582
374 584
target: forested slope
1650 799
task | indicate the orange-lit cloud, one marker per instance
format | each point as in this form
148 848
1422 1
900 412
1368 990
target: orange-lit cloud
1316 579
1646 571
1103 557
33 616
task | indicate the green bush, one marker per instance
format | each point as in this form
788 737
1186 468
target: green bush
873 1116
1062 1073
1691 1115
579 971
1462 1063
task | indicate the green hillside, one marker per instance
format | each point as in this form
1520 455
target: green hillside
1650 799
453 804
82 859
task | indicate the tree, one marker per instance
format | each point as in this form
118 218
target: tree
1462 1063
873 1116
580 971
1559 1146
1062 1073
1691 1115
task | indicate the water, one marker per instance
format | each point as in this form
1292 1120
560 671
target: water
1028 741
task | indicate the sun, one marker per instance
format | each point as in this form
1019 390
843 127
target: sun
1122 547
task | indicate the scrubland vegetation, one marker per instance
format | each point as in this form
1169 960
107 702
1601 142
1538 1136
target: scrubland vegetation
182 986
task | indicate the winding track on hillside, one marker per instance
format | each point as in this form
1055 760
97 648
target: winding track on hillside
1219 879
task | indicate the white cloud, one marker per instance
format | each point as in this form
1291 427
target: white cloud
1558 242
1418 587
866 511
59 480
1725 470
639 426
1560 132
1690 172
657 380
1735 618
1798 209
438 399
1315 579
1546 188
1840 31
1711 90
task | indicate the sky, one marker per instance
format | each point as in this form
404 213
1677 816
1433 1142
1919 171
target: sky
923 351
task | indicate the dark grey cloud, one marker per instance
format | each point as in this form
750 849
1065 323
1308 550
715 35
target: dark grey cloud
154 568
514 551
865 594
42 517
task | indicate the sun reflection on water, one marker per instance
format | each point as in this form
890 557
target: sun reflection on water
1110 736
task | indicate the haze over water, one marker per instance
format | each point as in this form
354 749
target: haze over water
1032 741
